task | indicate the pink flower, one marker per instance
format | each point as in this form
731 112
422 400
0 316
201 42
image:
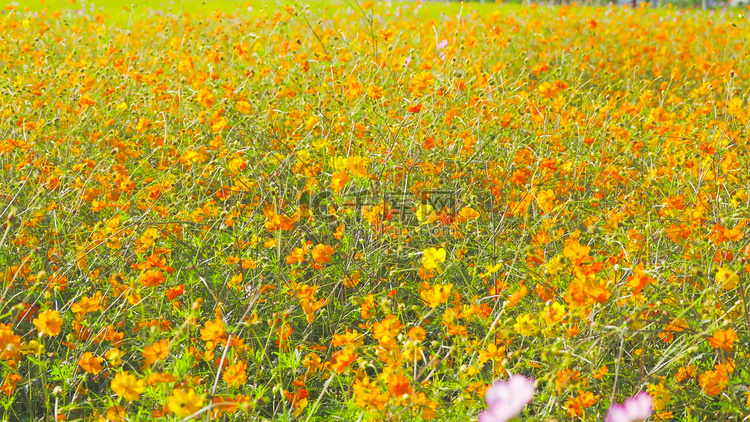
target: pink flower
636 408
506 399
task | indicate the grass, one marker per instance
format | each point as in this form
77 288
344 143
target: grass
121 11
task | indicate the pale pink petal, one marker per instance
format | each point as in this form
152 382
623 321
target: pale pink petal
639 407
499 413
499 392
522 388
506 399
617 413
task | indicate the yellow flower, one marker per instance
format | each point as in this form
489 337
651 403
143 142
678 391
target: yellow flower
339 163
526 325
493 352
357 165
184 403
88 304
426 212
114 357
49 323
127 386
492 269
437 295
660 394
376 92
555 265
433 258
727 278
554 314
468 213
243 107
32 347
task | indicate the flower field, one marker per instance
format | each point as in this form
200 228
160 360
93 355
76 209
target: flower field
372 212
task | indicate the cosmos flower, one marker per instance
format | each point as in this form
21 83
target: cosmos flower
637 408
506 399
433 258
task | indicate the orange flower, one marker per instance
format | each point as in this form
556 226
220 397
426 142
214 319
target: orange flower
386 330
235 375
492 353
415 108
9 384
467 213
398 385
322 253
367 394
151 278
348 338
375 92
714 382
90 363
516 297
339 180
10 343
684 372
723 339
639 279
48 322
296 256
575 405
417 333
116 414
519 176
575 251
357 165
601 372
157 351
173 292
343 359
213 331
88 304
243 107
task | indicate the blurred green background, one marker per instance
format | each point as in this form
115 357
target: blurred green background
124 10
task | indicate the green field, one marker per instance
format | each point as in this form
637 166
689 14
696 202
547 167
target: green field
122 11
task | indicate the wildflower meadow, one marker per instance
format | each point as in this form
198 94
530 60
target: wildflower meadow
374 211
